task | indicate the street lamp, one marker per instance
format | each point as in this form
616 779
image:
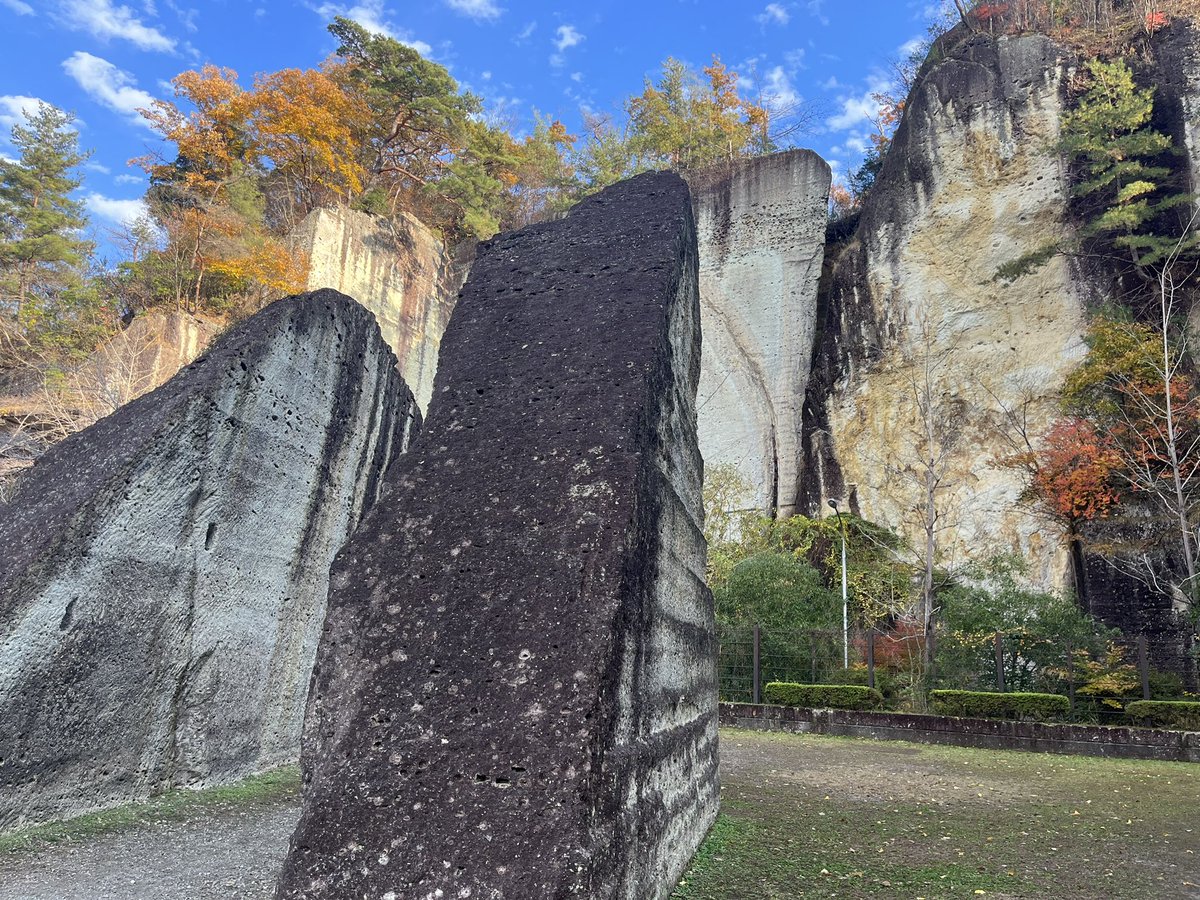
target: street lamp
845 600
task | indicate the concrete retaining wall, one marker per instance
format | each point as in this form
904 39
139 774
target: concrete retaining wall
990 734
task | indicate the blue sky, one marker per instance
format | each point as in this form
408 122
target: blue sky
102 59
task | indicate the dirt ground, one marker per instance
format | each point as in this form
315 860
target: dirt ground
802 817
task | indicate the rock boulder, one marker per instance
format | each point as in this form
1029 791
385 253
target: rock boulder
163 573
515 692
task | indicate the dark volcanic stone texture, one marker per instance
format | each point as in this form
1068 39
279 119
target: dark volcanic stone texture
163 574
515 692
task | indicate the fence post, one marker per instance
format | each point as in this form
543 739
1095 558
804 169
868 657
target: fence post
1071 677
1143 666
757 664
1000 663
871 658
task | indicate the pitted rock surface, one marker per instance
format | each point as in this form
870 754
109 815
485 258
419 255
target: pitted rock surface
761 227
515 692
163 573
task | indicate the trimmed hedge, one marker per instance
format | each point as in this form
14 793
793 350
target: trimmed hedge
1175 714
822 696
991 705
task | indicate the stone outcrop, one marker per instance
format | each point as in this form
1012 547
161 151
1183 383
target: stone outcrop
135 361
399 270
1178 77
150 351
969 185
515 691
761 232
163 573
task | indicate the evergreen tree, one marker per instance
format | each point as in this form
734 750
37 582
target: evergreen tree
41 251
1109 138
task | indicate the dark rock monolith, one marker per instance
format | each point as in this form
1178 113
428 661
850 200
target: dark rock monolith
515 691
164 573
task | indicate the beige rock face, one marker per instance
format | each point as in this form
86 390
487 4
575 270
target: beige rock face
761 227
978 189
147 354
399 270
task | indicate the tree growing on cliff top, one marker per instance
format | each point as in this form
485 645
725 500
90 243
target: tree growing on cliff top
41 249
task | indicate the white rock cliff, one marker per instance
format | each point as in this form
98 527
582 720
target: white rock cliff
761 228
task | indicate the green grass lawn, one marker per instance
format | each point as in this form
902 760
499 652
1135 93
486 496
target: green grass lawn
806 816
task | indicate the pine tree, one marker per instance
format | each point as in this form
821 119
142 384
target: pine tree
1109 138
41 250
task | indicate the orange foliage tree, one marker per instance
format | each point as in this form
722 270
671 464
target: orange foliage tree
309 129
1076 471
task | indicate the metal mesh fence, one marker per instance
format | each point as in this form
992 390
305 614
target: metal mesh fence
1098 677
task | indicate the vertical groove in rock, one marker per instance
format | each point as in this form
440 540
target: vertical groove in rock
515 693
163 573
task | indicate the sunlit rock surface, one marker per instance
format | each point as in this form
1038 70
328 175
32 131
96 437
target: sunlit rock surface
398 269
970 184
761 231
515 693
163 573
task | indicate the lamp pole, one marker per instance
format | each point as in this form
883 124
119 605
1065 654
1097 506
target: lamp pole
845 595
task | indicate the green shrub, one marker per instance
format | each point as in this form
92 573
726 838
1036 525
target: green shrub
991 705
822 696
885 681
1177 714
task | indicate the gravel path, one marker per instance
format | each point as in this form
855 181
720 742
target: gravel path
223 853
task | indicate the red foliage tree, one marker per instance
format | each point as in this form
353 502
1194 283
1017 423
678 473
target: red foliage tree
1075 471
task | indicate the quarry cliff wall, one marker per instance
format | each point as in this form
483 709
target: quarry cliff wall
761 232
398 269
923 353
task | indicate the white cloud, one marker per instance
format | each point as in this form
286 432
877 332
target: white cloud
187 15
774 13
15 109
526 33
568 36
20 7
118 212
128 179
475 9
108 85
93 166
370 15
105 21
911 46
779 92
859 108
816 11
